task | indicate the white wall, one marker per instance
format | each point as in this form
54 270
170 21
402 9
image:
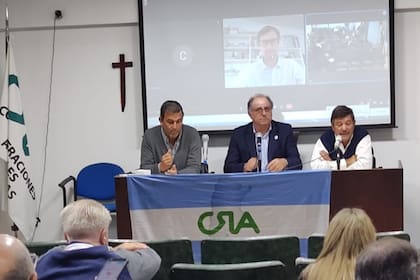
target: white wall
86 123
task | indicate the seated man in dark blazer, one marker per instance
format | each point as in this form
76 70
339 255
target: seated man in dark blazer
263 144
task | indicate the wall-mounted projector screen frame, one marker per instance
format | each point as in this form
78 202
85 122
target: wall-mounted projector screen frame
308 56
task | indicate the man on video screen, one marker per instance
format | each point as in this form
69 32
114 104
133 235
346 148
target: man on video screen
271 69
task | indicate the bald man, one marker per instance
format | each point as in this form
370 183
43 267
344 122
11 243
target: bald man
15 260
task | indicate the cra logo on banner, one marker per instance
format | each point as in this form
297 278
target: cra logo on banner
223 217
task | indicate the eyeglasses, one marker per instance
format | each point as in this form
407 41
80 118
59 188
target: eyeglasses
260 110
271 42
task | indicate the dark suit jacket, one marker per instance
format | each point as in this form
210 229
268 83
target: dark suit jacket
242 147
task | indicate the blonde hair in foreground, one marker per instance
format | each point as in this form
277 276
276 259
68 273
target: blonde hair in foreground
349 232
84 218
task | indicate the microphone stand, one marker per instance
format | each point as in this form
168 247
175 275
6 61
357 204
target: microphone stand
258 163
204 167
338 159
258 136
259 157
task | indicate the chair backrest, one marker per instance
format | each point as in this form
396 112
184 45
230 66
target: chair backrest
253 249
96 181
397 234
269 270
170 252
315 242
40 247
301 264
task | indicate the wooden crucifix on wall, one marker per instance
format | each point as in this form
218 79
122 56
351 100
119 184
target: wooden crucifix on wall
122 64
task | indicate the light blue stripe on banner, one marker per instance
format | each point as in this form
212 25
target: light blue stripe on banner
308 187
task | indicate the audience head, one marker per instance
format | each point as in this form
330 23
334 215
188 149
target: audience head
387 259
15 260
343 122
348 233
86 220
171 116
260 108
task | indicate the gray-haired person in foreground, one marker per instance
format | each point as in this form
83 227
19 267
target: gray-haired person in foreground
85 225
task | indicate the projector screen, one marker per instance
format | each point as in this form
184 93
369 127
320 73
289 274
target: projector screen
308 56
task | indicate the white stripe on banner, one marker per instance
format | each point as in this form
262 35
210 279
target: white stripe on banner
250 221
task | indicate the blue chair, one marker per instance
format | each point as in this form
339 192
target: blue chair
95 181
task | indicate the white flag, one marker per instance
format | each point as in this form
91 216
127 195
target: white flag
19 188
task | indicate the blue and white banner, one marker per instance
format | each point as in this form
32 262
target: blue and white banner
243 204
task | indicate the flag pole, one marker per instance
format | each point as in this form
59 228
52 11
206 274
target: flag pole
14 227
7 28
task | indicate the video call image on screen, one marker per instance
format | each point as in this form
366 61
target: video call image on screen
259 53
307 62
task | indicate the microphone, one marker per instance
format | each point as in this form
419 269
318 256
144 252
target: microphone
204 166
338 140
258 137
205 138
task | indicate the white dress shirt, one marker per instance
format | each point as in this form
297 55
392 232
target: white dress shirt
363 154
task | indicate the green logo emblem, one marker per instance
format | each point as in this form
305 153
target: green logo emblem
246 221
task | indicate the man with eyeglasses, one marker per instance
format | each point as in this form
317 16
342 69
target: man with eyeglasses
263 142
271 69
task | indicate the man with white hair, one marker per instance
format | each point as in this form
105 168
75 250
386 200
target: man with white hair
15 260
85 225
264 144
